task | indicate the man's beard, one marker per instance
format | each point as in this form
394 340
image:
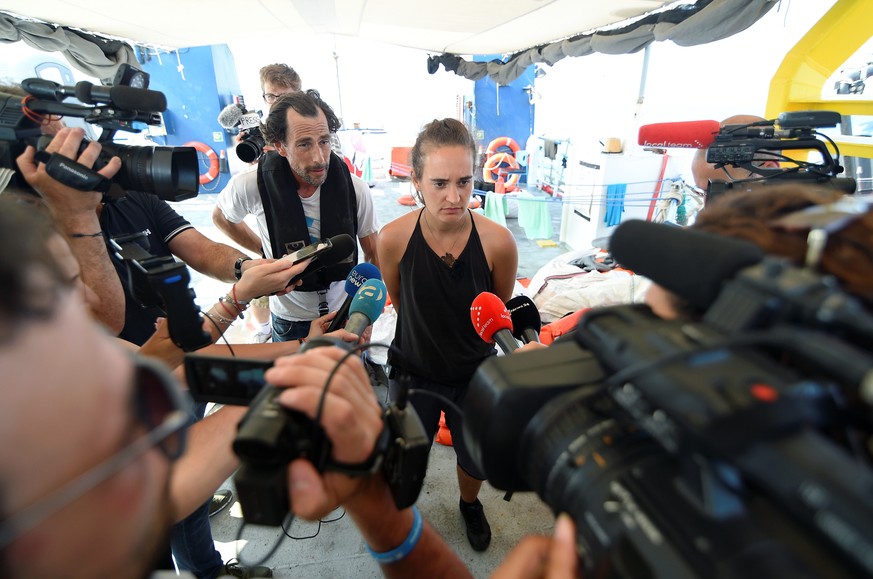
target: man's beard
304 174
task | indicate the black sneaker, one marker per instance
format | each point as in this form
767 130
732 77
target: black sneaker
220 499
233 569
478 529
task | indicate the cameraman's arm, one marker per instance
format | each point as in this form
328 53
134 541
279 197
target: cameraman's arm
207 462
206 256
238 232
384 528
352 419
75 213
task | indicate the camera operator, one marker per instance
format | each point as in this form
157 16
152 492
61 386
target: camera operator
89 489
704 172
169 234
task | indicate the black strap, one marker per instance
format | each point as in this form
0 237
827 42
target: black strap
72 174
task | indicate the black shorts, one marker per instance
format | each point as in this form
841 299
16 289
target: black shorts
428 409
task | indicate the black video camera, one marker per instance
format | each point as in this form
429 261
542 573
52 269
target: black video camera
251 144
162 282
749 146
171 173
735 446
270 436
236 119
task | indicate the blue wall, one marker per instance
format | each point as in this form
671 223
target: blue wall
193 103
507 113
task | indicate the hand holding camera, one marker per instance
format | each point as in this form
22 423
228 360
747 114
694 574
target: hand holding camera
67 202
351 418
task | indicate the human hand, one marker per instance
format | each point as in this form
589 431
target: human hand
69 205
319 325
161 346
538 557
530 346
266 277
351 418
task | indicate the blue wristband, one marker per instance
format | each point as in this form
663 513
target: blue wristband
406 546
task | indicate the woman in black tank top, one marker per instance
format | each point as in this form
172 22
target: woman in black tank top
436 261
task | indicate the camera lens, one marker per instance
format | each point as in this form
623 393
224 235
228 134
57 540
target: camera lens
171 173
250 148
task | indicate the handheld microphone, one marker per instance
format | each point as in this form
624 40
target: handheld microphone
342 247
126 98
367 306
692 264
235 116
230 115
357 277
526 322
492 321
684 135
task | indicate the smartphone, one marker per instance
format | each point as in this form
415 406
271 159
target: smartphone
312 250
225 380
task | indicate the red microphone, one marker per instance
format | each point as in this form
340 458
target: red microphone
492 321
684 135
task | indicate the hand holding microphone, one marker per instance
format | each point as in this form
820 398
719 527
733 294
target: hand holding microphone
359 275
492 321
366 306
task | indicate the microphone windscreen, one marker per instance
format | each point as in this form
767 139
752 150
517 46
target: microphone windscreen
230 115
369 300
83 92
524 314
489 314
342 247
692 264
138 99
360 274
686 135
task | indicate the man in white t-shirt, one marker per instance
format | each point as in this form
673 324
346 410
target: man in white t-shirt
301 193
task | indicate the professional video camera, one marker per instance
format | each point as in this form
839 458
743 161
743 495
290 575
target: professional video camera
235 117
748 145
752 145
171 173
162 282
270 436
733 446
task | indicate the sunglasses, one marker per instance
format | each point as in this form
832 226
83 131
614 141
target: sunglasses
159 406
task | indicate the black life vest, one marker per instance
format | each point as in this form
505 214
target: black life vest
286 222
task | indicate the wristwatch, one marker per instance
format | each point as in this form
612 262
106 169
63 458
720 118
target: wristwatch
237 266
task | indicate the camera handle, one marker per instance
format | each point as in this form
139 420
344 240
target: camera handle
78 176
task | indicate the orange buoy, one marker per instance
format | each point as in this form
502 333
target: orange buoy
212 172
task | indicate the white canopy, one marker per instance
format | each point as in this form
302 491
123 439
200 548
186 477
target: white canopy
531 30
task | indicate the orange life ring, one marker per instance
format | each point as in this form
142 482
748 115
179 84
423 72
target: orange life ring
212 172
407 199
490 171
500 145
